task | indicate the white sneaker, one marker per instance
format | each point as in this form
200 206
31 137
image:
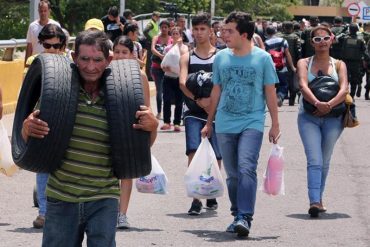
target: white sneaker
122 222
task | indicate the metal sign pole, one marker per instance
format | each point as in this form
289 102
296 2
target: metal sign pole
34 13
121 6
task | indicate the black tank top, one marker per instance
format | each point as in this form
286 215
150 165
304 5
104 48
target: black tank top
196 64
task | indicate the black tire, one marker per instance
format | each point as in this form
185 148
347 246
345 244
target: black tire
34 196
53 80
124 95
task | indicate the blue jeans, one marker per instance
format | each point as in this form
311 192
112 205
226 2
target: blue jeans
319 136
66 223
158 75
240 153
193 128
41 181
282 87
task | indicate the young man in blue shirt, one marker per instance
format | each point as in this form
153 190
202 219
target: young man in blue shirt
244 80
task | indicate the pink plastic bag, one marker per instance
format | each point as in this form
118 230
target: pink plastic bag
273 179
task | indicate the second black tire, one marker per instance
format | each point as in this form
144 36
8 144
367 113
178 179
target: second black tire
53 81
123 96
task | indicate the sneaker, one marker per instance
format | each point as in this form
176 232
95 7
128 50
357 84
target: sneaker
279 101
212 204
231 227
242 228
166 126
177 128
122 222
196 208
39 222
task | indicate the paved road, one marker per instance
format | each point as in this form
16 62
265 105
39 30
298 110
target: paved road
279 221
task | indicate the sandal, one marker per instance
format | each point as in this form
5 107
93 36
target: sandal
322 209
166 126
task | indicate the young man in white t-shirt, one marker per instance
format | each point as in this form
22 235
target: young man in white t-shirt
33 45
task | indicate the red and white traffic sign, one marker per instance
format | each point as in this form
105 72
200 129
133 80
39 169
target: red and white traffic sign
353 9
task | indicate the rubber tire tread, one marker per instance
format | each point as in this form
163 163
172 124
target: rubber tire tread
130 148
54 80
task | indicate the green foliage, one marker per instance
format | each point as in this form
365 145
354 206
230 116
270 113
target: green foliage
72 14
14 19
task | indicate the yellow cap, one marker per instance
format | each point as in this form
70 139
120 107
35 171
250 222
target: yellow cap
94 23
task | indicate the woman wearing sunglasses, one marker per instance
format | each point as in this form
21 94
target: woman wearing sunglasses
319 131
53 40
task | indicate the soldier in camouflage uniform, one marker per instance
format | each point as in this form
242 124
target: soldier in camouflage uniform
338 30
353 54
366 35
307 49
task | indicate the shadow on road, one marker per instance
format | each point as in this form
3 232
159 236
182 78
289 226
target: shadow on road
222 236
4 224
26 230
134 229
206 214
323 216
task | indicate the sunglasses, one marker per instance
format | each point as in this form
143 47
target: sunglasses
55 46
319 39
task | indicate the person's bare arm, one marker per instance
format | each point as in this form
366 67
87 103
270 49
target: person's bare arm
343 85
146 119
28 53
215 97
184 62
271 101
154 51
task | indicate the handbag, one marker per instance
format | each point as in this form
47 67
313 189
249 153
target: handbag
325 88
348 120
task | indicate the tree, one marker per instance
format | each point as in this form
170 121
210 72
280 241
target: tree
14 19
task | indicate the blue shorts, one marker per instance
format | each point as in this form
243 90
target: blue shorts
193 127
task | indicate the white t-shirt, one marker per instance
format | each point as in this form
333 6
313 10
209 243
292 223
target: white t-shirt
32 35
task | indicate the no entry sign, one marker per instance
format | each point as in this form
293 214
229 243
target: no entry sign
353 9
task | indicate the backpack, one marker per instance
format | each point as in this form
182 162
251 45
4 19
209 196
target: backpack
351 49
277 56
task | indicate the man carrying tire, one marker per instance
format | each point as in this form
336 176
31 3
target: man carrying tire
83 193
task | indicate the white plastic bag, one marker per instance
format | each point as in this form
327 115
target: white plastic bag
203 178
273 179
7 165
155 182
172 59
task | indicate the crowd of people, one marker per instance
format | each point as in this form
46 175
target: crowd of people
250 65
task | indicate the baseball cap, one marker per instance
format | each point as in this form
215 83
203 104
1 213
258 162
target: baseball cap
94 23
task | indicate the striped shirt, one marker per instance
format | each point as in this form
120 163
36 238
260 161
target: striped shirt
86 173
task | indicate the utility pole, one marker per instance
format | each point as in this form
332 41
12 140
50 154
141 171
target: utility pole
213 5
34 13
121 6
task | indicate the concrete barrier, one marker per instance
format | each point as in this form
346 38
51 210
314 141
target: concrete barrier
11 77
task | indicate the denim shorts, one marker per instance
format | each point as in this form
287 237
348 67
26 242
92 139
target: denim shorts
193 127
